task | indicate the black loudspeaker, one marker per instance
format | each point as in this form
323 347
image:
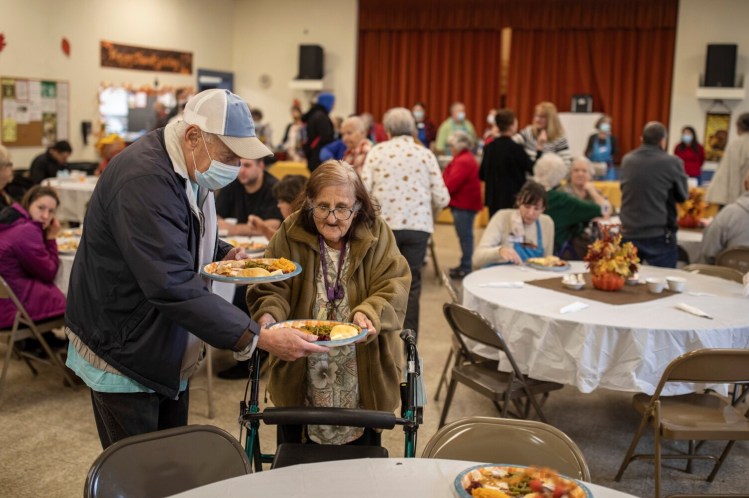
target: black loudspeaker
311 62
720 67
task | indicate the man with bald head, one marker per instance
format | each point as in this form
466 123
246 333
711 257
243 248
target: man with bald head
652 182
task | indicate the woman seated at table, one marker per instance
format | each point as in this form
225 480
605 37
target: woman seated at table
353 272
580 185
514 235
570 214
28 256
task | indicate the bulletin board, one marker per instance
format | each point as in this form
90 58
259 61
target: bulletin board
34 112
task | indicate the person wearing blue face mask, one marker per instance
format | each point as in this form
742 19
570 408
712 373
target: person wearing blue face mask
691 152
602 146
456 122
138 310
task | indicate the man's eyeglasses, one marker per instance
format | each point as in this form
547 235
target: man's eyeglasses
340 213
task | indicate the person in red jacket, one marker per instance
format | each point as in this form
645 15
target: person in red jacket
462 180
691 152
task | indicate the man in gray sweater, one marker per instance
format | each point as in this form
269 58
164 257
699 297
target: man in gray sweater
652 182
730 227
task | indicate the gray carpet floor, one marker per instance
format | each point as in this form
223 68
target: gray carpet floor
48 438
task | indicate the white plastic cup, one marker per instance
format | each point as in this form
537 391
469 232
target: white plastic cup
656 285
676 284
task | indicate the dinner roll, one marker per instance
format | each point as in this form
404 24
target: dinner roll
339 332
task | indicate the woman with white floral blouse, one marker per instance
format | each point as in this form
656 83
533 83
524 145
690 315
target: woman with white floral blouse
405 179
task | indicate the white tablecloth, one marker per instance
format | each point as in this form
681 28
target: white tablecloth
690 241
621 347
74 193
370 478
222 289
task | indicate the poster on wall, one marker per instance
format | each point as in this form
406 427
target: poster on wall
146 59
717 126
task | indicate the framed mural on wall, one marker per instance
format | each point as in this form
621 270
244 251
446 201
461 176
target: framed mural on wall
717 126
143 58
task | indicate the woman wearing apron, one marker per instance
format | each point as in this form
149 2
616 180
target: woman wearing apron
514 235
602 147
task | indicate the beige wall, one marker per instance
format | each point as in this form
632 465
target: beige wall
33 30
261 37
701 23
267 35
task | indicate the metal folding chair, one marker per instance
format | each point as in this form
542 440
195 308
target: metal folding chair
23 328
523 442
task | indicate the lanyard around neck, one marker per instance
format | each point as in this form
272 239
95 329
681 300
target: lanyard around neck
336 292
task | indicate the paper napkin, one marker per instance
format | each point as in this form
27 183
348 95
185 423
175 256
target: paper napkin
504 285
571 308
693 310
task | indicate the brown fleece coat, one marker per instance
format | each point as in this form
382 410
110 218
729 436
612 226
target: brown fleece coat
377 283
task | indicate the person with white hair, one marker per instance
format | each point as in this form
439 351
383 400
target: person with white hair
462 180
405 178
354 136
569 213
6 176
730 228
580 185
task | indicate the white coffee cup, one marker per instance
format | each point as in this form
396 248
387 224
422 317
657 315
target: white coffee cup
676 284
656 285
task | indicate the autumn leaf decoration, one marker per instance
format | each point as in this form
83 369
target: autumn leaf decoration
609 255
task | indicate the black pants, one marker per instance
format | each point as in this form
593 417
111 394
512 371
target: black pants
120 415
413 247
293 434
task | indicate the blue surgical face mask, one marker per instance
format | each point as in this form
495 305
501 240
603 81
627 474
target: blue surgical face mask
218 175
687 138
418 115
460 116
605 127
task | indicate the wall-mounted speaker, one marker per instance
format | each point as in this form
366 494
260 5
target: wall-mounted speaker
720 65
311 62
582 102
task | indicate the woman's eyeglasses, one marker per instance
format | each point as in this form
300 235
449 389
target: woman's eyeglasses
340 213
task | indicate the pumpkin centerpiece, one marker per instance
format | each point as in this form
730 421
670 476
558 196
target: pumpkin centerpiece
610 262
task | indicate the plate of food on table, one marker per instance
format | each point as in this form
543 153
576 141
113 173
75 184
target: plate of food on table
548 263
510 481
251 270
250 246
67 245
329 333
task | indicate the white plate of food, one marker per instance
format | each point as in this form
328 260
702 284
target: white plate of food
252 270
250 246
488 481
67 245
330 333
548 263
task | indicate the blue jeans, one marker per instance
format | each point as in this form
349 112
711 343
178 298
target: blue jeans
657 251
463 220
120 415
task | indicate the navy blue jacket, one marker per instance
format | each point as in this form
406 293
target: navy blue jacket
134 288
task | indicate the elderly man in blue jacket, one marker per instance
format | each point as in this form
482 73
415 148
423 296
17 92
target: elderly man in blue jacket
138 310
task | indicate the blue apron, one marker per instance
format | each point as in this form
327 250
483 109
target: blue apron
525 251
602 154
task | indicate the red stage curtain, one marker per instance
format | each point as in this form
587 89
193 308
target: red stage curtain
628 73
443 50
399 68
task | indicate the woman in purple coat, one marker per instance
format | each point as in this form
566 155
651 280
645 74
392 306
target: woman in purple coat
28 256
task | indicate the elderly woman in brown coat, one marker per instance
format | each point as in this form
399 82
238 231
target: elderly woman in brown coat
353 272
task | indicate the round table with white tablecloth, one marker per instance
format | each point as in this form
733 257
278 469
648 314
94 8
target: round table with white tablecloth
620 347
366 478
75 193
